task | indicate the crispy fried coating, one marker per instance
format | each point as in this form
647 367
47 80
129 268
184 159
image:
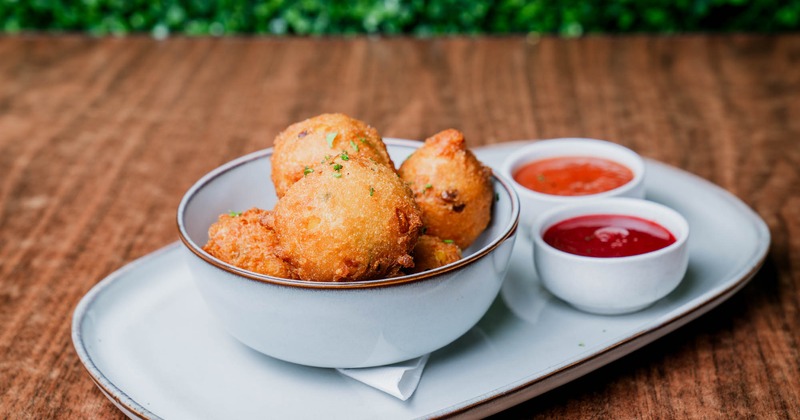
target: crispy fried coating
305 144
453 189
347 219
432 252
246 241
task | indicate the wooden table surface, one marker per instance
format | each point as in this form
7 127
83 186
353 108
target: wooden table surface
99 139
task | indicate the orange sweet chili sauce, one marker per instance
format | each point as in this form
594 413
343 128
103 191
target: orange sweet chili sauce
573 175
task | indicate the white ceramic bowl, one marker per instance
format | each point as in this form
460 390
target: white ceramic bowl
351 324
534 203
612 285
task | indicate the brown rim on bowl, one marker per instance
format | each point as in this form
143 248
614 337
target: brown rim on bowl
508 232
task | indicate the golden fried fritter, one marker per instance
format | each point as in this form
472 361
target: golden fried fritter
305 144
453 189
246 241
347 219
432 252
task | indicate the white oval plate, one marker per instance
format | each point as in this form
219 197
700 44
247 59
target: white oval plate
148 342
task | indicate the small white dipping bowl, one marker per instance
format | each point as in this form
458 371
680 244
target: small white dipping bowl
349 324
534 203
613 285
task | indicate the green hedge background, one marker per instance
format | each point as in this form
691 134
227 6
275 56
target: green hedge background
418 17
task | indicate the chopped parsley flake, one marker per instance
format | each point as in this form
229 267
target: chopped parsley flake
232 213
337 167
448 241
330 137
371 191
362 140
337 175
307 171
428 186
354 145
345 156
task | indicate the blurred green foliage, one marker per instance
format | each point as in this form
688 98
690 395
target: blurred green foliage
432 17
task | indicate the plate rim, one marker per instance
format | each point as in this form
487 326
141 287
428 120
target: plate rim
113 392
500 398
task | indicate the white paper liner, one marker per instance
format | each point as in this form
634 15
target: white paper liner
399 380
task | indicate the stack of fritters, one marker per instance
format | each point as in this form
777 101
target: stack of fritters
345 214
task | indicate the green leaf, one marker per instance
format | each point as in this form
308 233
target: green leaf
330 137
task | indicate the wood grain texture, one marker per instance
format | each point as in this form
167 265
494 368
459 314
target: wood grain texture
99 138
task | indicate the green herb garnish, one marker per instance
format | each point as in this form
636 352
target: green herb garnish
330 137
428 186
448 241
354 145
337 167
337 175
345 156
307 171
232 213
371 191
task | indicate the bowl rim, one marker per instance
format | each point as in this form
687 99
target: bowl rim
508 232
521 156
589 208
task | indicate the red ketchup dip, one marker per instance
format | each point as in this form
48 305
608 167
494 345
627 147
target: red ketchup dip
607 235
573 175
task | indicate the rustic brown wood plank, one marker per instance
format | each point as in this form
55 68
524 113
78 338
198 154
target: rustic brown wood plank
99 138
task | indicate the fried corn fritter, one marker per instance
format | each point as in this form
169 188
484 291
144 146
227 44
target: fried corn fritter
348 219
433 252
453 189
246 241
305 144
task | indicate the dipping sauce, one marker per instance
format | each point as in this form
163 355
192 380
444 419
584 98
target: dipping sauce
607 235
573 175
